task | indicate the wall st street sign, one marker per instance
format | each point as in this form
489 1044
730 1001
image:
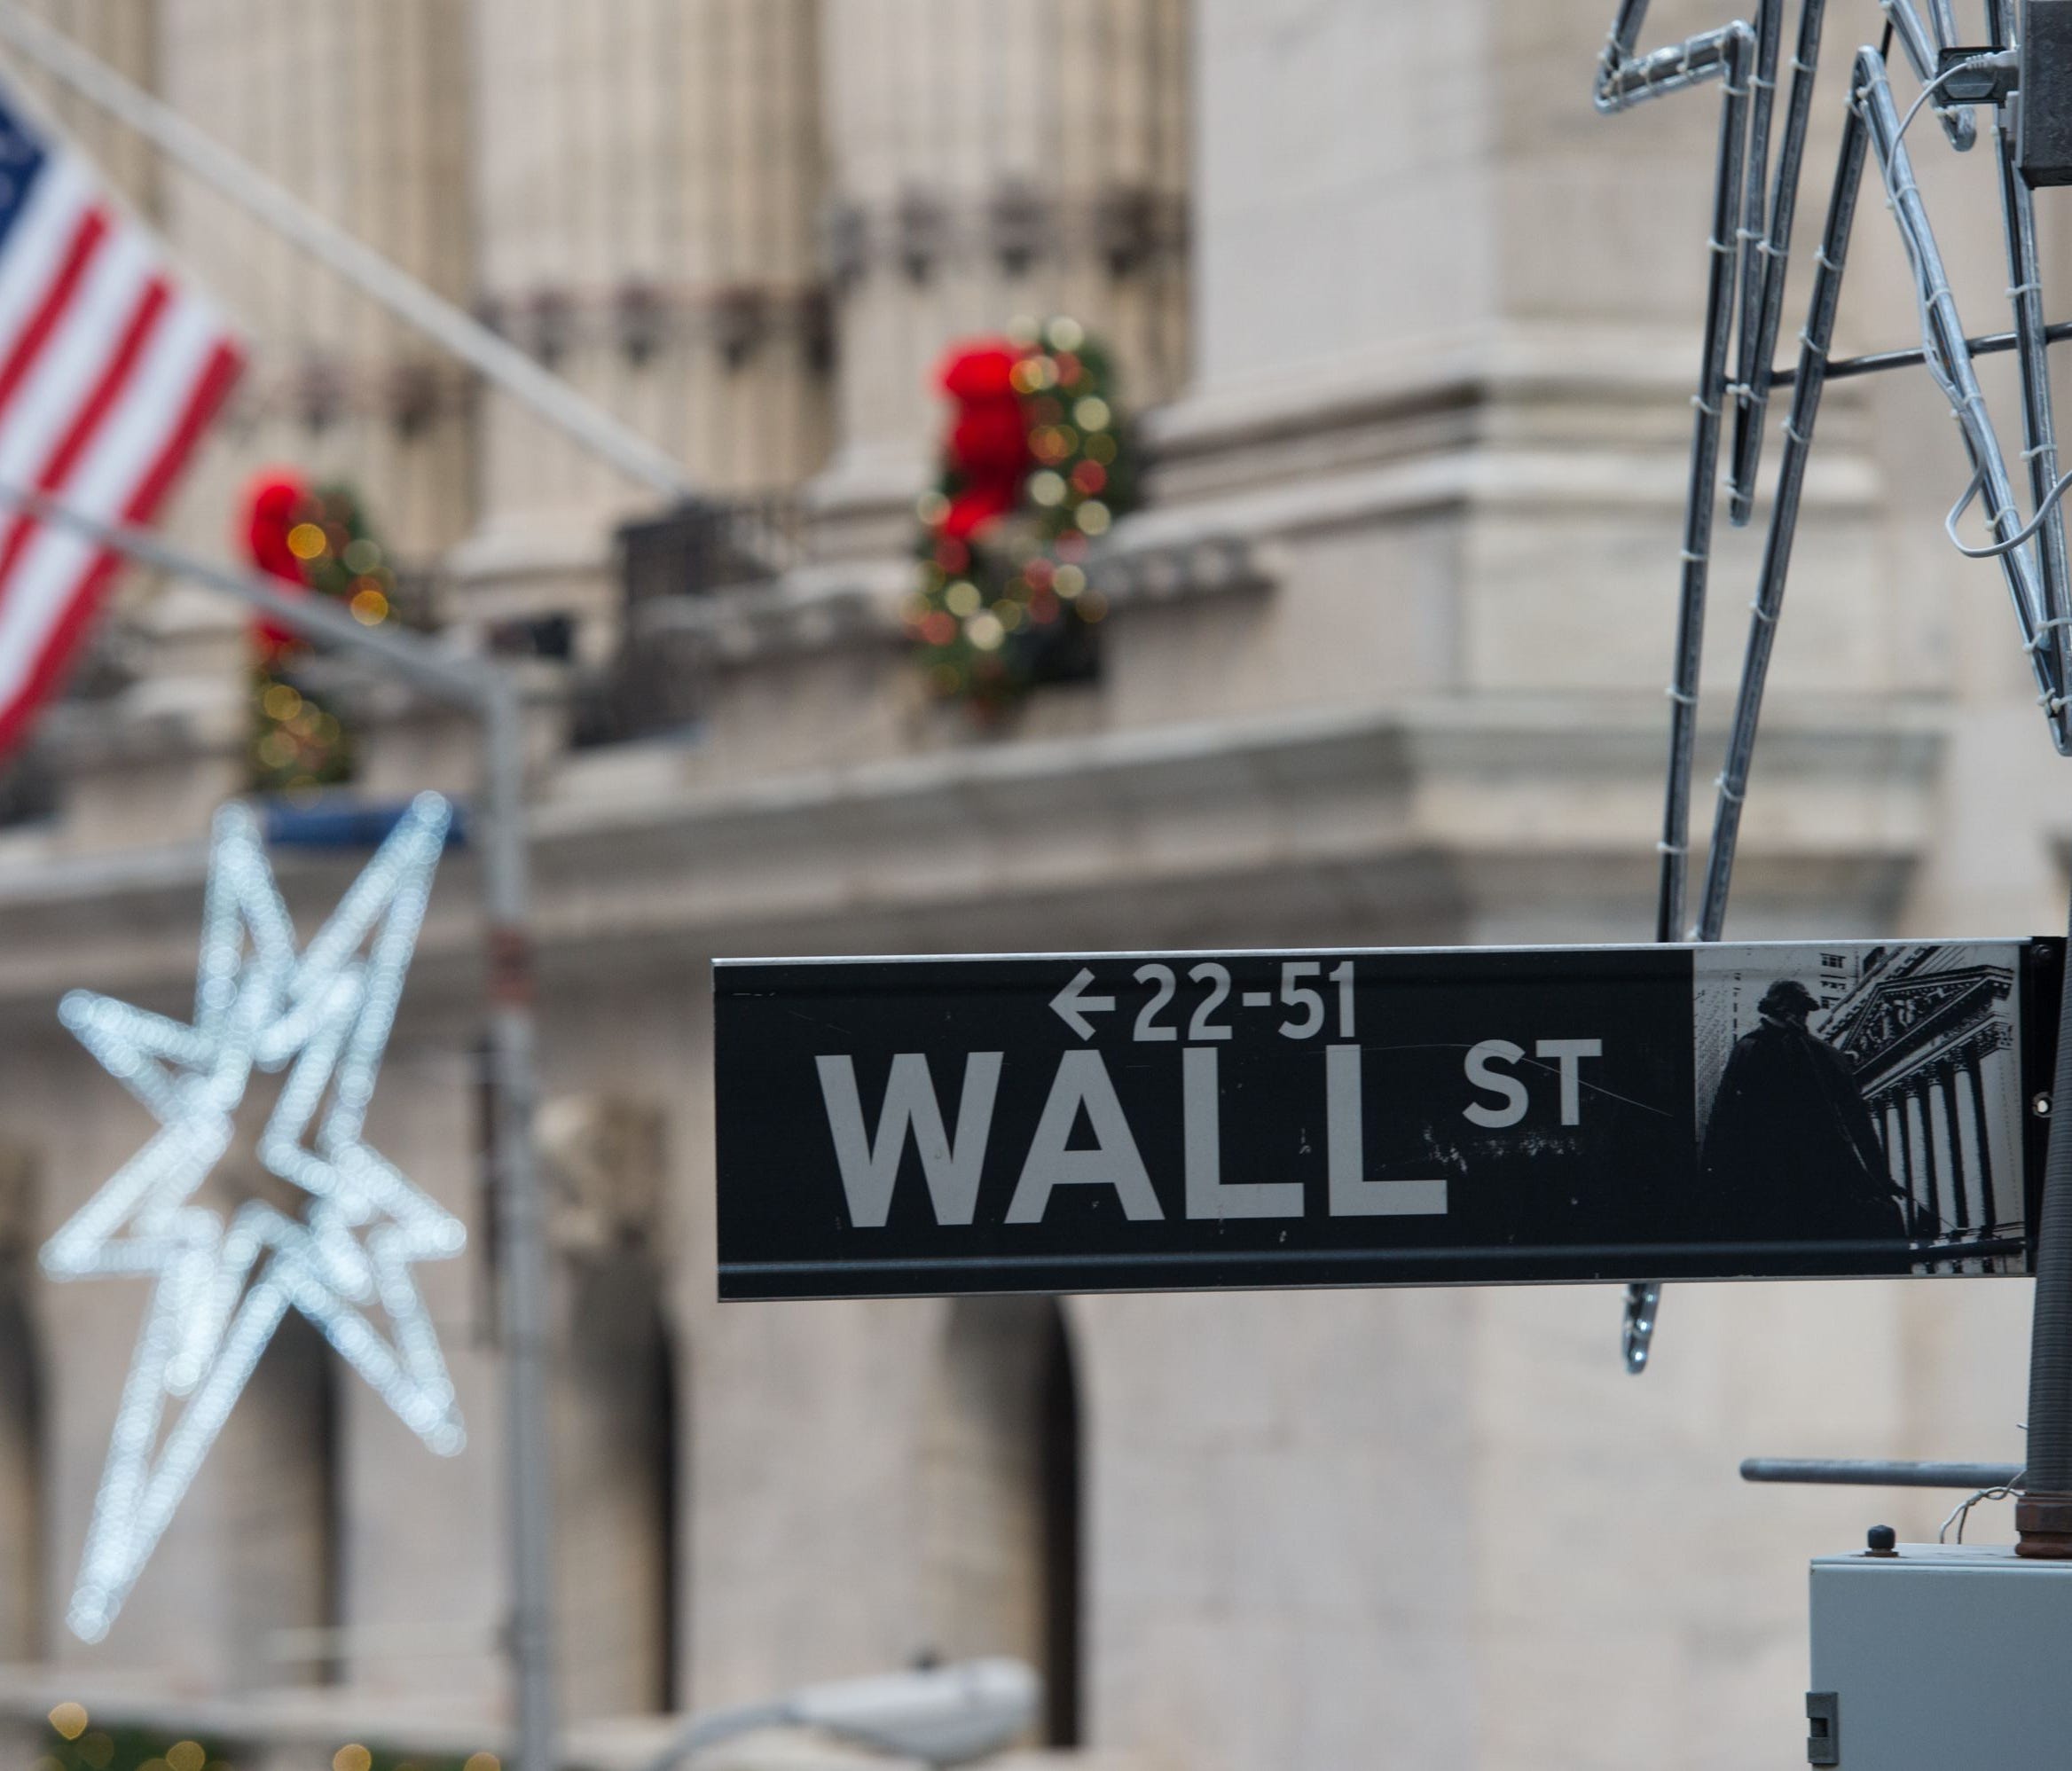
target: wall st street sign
1188 1121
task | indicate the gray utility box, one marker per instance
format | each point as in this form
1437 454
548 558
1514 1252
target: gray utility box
1940 1657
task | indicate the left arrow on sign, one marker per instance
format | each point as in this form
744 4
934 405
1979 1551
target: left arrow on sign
1073 1005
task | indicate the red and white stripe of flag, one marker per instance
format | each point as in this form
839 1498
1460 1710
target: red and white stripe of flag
111 367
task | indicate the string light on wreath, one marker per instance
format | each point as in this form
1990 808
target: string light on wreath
1036 466
318 540
324 1016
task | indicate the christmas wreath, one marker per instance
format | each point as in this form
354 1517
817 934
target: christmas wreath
1036 465
317 540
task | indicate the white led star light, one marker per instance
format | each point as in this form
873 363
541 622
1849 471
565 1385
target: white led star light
323 1017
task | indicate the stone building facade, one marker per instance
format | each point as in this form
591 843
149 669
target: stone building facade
1412 331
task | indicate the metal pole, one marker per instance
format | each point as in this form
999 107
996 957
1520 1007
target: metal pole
523 1290
1863 1472
461 681
1675 846
1984 344
2038 427
490 695
1759 238
1783 524
1919 50
1761 349
2043 1518
1949 364
1735 53
495 359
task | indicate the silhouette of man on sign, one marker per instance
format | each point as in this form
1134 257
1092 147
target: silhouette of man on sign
1790 1152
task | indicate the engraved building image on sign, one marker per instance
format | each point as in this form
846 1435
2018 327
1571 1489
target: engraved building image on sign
1895 1066
1929 1045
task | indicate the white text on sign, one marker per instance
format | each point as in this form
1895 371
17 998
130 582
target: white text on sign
1205 1010
952 1155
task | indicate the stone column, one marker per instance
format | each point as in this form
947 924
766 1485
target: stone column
1920 1143
1971 1141
999 1564
1414 238
423 1559
647 176
125 36
1942 1139
615 1390
360 109
2000 1143
615 1530
991 162
276 1508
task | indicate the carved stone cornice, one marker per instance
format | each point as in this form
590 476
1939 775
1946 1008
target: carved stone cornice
1440 820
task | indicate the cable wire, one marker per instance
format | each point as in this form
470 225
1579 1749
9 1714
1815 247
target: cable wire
2027 532
1961 1512
2005 58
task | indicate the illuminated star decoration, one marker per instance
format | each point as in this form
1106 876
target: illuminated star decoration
322 1015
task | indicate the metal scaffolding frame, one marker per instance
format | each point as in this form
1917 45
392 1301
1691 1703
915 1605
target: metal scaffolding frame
1750 243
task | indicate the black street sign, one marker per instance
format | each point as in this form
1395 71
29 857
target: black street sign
1191 1121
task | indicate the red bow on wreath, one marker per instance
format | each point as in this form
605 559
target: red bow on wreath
989 436
277 501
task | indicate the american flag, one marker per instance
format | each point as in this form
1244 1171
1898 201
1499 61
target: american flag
111 367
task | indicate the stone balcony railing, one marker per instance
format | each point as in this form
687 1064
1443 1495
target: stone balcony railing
1442 585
